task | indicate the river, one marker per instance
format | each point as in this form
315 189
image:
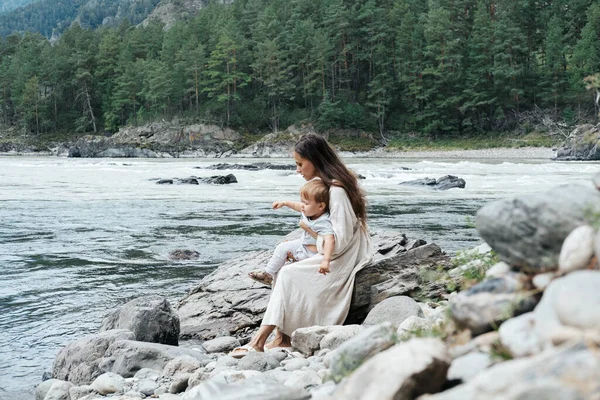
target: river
79 237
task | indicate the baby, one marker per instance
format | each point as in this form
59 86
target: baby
314 205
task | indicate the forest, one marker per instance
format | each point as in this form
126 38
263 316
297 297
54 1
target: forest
9 5
390 67
53 17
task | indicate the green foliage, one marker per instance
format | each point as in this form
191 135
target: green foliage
439 73
592 216
500 352
55 16
466 269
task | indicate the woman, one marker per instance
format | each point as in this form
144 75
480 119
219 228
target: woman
301 296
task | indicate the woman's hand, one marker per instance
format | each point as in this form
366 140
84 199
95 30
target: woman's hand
324 267
278 204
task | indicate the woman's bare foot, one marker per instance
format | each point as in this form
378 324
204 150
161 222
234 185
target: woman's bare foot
280 340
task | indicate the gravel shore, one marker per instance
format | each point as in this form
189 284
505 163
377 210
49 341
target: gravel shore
499 153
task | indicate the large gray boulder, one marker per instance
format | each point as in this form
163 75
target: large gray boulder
228 303
313 338
404 371
487 304
394 310
150 318
353 353
569 309
78 362
528 231
572 372
126 357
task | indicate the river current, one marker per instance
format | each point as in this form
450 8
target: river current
79 237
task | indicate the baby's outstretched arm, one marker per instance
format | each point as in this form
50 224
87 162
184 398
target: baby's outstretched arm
294 205
328 246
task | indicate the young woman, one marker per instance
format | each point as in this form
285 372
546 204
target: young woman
302 297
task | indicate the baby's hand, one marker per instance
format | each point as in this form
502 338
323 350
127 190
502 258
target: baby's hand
278 204
324 267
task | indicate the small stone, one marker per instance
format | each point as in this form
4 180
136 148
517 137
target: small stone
541 281
161 390
59 391
296 364
108 383
394 310
498 270
323 352
412 326
147 387
147 373
77 392
469 365
221 344
577 249
303 379
519 337
253 361
42 388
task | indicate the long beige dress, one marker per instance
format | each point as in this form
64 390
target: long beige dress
302 296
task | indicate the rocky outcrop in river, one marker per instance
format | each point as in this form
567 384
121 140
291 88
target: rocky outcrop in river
444 183
494 322
159 140
194 180
583 144
253 167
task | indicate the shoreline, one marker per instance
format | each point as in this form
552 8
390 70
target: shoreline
500 153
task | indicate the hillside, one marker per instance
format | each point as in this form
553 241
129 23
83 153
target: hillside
170 11
55 16
9 5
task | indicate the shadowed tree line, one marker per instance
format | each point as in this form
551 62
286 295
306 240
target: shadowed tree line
437 67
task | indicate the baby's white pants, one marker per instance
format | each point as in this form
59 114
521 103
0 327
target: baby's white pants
279 256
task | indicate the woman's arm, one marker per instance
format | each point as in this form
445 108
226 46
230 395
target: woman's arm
328 247
294 205
342 218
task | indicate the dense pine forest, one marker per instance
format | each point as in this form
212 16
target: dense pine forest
53 17
9 5
391 67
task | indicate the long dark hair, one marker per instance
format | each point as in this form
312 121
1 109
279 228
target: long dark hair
332 170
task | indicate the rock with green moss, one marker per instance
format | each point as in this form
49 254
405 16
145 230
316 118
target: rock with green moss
352 354
485 305
583 144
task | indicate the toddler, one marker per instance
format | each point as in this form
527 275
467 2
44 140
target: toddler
314 206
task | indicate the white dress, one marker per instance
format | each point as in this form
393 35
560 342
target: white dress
303 297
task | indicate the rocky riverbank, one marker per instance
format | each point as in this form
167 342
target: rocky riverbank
518 319
173 139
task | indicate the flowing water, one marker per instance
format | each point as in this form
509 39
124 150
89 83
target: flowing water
79 237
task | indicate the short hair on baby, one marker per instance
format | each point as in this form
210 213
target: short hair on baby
316 189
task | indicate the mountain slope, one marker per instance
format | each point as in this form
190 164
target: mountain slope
9 5
54 16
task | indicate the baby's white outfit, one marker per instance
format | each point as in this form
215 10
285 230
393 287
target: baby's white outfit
321 225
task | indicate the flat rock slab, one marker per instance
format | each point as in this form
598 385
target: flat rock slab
228 303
